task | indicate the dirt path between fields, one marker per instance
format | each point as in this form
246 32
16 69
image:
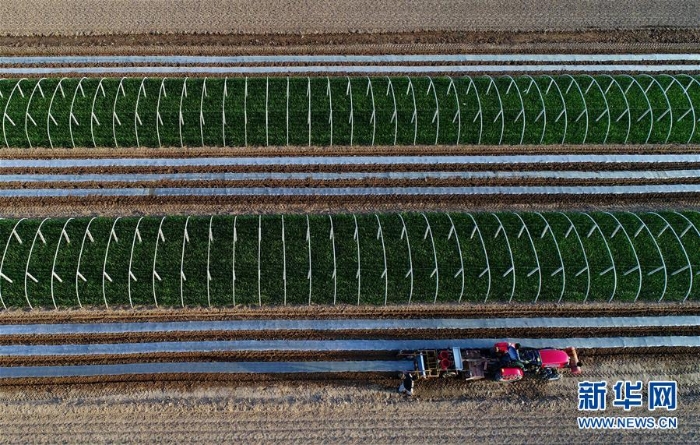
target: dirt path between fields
348 408
94 315
378 150
77 17
646 40
249 205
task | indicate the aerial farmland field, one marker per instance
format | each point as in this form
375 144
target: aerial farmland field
349 259
227 221
279 111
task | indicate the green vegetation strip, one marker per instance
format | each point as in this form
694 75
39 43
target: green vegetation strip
259 111
350 259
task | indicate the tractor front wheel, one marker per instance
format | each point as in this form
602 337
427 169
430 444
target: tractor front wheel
549 374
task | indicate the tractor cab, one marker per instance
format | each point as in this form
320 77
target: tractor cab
530 358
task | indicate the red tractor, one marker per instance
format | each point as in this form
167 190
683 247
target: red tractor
505 362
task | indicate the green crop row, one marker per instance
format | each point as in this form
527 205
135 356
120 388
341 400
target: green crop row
350 259
259 111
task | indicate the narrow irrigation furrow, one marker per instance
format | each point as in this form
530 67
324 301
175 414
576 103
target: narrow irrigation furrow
191 347
347 325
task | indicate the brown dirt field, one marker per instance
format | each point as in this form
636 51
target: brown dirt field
226 205
379 150
465 310
77 17
646 40
351 408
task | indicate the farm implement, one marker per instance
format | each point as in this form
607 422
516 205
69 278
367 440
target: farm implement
505 362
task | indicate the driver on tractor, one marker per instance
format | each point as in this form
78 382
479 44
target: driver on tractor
508 354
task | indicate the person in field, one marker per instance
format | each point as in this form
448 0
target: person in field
406 386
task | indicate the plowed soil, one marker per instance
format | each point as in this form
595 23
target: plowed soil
77 17
353 408
646 40
215 27
226 205
379 150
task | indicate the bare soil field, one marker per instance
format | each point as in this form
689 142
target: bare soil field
356 150
594 42
647 40
352 408
217 27
254 205
96 315
71 17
